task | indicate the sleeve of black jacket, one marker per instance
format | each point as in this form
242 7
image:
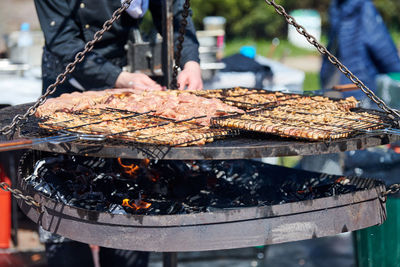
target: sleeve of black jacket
190 51
63 39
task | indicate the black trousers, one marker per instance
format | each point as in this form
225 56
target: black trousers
76 254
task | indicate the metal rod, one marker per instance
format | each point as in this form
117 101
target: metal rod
384 131
168 42
170 259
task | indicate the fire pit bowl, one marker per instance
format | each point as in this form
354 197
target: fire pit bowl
217 228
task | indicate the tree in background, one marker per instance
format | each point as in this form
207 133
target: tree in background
256 19
390 10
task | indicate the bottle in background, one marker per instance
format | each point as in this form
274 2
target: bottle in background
25 41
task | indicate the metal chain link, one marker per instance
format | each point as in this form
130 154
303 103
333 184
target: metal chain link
19 195
79 57
179 46
393 114
392 189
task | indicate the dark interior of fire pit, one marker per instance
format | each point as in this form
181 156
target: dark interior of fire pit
152 187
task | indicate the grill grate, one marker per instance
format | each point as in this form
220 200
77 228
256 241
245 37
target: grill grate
286 115
300 123
250 99
125 127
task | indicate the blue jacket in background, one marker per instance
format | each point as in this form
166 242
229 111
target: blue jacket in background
361 41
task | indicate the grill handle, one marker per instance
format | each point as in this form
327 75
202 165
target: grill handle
15 144
392 131
345 87
28 143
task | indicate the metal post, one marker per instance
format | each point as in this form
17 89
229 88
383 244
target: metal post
170 259
168 42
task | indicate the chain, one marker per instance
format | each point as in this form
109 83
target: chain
179 46
79 57
393 114
392 189
19 195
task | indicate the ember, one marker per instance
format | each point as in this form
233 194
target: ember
176 187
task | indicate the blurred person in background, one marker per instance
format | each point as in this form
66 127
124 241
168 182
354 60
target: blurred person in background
67 27
359 38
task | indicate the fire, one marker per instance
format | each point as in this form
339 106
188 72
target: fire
129 169
136 205
145 162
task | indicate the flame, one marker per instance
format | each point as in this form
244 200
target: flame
145 162
136 205
129 169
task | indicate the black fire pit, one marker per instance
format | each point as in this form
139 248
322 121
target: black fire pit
193 206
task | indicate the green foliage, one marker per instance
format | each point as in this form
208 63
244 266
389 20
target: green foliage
244 18
250 18
389 10
255 19
311 81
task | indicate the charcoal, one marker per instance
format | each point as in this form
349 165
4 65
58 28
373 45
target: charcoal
177 187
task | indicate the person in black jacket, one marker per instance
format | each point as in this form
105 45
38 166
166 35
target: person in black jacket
68 25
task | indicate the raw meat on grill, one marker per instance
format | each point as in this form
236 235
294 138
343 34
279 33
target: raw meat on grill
171 104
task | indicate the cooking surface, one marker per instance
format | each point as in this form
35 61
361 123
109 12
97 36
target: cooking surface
173 117
232 148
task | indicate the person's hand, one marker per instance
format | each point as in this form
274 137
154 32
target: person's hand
136 81
190 76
